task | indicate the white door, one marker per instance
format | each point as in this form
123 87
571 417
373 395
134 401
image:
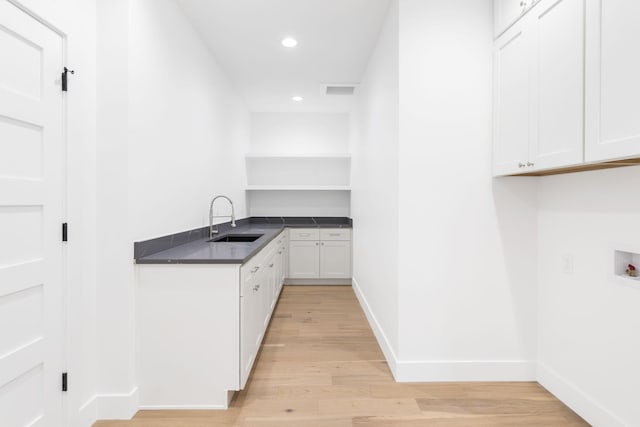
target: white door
558 88
512 114
304 259
31 212
612 82
335 260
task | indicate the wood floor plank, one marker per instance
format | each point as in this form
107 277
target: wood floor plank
320 365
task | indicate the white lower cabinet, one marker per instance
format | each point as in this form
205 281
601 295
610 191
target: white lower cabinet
335 260
261 281
189 340
327 256
200 327
248 328
304 259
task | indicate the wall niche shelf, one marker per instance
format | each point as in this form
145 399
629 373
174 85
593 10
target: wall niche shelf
310 172
297 156
297 188
621 261
296 184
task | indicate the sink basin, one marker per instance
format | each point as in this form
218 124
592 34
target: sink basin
231 238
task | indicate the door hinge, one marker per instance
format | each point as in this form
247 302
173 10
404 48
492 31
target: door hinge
64 232
64 381
65 83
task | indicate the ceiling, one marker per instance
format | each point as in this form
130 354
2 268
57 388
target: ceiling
335 39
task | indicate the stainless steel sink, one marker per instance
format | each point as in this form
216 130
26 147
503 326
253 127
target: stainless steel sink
236 238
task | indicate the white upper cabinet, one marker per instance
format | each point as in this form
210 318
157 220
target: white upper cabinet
512 101
558 88
538 90
507 12
613 80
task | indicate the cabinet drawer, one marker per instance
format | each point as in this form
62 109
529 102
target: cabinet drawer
252 266
304 234
336 234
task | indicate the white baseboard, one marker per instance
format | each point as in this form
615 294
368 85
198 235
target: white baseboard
181 407
87 414
383 342
322 282
446 370
117 406
465 370
107 406
580 402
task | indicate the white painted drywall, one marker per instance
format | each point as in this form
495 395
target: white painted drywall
189 130
374 203
116 383
299 133
589 322
172 134
76 20
467 243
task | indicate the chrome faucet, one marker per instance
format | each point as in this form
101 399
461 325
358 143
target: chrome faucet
212 230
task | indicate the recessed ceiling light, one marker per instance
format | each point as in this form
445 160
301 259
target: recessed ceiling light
289 42
297 98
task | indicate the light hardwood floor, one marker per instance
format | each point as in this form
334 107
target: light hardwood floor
320 365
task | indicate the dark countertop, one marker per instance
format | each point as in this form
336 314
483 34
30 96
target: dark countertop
192 247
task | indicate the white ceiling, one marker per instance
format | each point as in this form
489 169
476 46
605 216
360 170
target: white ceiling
335 39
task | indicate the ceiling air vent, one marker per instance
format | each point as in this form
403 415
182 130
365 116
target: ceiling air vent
340 89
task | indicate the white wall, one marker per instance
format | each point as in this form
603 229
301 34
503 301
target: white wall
374 204
589 322
76 19
467 244
172 134
299 133
189 130
116 395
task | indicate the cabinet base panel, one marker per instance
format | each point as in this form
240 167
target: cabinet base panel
585 168
336 282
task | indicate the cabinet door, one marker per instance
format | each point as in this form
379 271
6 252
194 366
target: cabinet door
612 80
272 272
248 328
263 296
507 12
279 272
512 112
558 84
285 261
304 257
335 260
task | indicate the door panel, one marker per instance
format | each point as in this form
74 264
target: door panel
249 322
304 259
31 203
613 87
335 260
558 101
511 101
